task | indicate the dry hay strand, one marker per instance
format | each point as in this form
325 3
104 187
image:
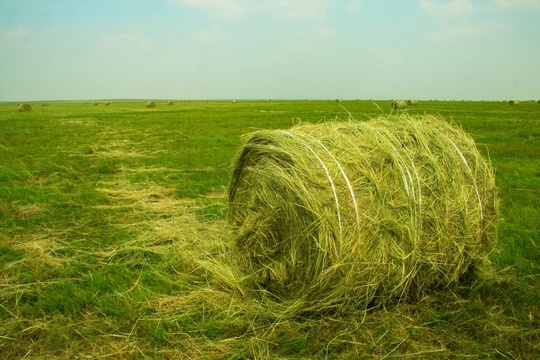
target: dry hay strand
352 214
399 104
150 104
412 102
513 102
24 107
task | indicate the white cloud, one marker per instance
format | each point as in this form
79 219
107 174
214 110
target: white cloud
127 40
238 9
470 31
19 32
454 8
516 4
353 5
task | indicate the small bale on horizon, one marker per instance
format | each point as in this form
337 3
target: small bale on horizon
399 104
170 103
24 107
150 104
513 102
412 102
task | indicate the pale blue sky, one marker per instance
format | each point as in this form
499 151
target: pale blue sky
292 49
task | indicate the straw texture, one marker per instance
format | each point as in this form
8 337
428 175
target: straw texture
350 213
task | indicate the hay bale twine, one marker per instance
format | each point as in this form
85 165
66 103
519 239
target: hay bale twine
399 104
513 102
24 107
352 214
412 102
150 104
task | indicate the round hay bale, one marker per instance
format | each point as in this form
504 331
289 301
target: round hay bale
170 103
538 101
24 107
44 104
234 101
353 214
412 102
150 104
513 102
96 104
107 103
339 100
399 104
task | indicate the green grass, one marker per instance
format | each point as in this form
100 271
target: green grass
107 214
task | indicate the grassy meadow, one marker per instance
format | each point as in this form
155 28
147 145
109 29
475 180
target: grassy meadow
108 215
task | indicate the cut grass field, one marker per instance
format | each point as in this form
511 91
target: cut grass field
108 216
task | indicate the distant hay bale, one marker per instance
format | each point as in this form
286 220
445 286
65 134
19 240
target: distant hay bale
170 103
514 102
150 104
44 104
399 104
352 214
339 100
412 102
234 101
107 103
24 107
95 104
538 101
369 100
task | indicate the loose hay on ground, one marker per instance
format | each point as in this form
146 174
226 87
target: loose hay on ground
350 213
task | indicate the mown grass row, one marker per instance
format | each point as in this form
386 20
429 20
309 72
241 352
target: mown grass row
108 215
